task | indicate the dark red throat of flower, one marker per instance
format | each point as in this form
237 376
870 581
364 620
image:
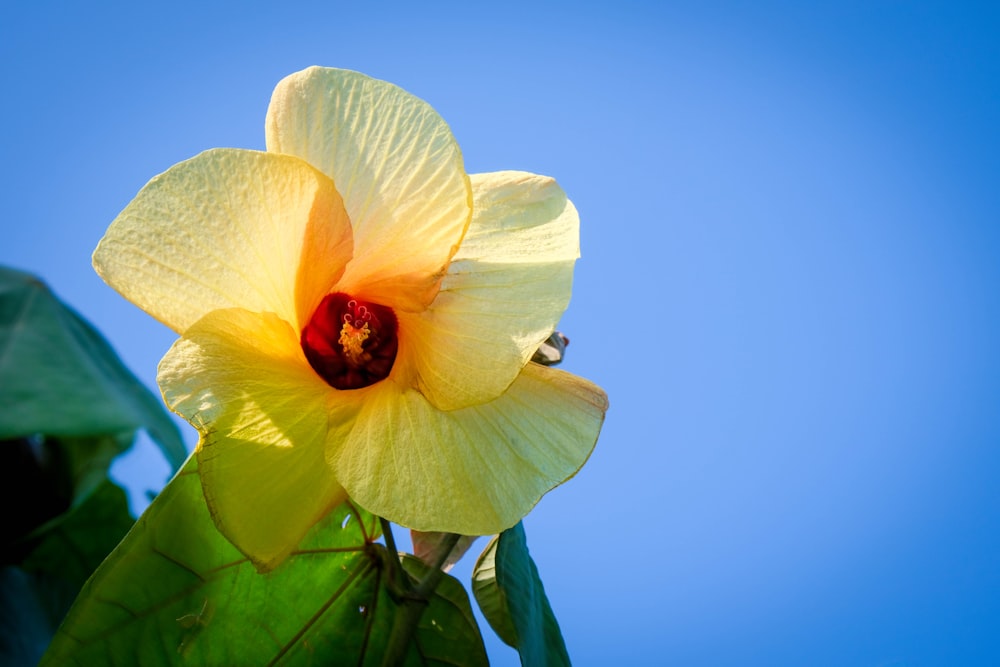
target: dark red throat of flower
349 342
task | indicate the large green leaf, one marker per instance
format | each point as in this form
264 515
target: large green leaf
59 376
510 594
176 592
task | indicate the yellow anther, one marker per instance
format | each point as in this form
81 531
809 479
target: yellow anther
351 340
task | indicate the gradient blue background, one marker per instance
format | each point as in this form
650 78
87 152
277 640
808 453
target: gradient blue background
789 281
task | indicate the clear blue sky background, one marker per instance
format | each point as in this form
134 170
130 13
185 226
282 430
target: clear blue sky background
789 282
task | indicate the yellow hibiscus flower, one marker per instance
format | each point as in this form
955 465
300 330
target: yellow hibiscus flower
357 315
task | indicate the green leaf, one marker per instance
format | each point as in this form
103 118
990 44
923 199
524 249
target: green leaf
31 606
35 596
510 594
41 478
59 376
176 592
492 600
87 460
447 623
76 543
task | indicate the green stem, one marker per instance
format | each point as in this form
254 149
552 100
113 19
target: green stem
397 582
412 603
390 540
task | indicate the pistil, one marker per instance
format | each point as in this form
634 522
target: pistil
350 343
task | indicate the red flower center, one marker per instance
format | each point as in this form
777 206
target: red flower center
350 343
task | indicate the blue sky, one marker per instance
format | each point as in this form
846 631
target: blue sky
788 286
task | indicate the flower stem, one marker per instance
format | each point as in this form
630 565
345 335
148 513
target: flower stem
396 579
413 601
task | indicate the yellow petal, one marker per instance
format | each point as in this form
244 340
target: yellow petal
228 228
242 380
396 164
505 291
474 471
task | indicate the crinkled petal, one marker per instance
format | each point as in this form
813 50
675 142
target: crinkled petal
228 228
242 380
505 291
473 471
399 169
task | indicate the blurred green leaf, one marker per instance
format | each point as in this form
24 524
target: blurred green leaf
36 595
510 594
175 591
36 485
74 545
41 478
87 460
31 606
59 376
